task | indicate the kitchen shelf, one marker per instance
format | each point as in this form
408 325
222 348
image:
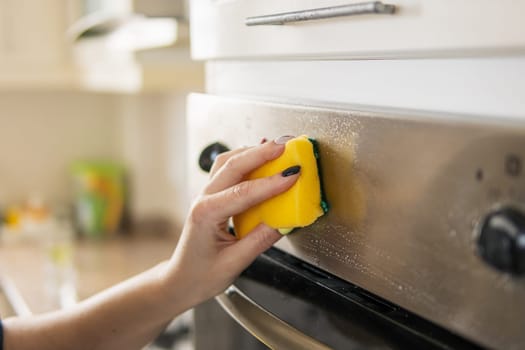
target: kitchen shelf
162 69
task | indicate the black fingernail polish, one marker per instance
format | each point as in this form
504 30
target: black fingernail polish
291 171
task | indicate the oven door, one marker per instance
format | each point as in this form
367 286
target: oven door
282 302
426 219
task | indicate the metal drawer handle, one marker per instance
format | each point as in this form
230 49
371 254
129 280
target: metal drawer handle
361 8
270 330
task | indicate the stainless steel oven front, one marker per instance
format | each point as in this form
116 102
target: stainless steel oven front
424 244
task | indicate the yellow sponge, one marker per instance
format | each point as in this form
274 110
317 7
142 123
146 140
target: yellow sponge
301 205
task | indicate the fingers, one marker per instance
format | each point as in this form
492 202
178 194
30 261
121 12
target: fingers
219 162
246 194
222 158
233 167
258 241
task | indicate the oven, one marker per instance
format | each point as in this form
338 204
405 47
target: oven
423 247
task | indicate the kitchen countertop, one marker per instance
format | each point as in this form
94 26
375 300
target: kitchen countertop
96 265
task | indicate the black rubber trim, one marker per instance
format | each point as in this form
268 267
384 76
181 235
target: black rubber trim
398 327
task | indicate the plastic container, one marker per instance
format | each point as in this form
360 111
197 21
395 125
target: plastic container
99 197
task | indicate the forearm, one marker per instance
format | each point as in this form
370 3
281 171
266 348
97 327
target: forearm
206 260
126 316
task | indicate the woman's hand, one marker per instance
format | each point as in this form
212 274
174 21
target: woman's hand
206 260
207 255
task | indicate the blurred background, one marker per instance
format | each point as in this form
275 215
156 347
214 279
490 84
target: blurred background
95 152
92 144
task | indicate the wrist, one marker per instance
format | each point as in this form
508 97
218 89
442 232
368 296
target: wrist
179 292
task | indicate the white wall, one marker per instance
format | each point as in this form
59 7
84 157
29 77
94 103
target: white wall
154 149
41 133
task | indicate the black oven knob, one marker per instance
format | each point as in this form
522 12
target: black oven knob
209 154
501 242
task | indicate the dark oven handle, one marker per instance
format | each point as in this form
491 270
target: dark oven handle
270 330
293 276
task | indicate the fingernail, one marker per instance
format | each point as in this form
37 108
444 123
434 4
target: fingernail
283 139
291 171
263 140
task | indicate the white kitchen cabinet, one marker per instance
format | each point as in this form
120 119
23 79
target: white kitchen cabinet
417 28
42 46
33 50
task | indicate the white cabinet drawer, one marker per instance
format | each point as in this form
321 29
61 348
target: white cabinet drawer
417 28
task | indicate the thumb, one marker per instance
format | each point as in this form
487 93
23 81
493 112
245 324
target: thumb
255 243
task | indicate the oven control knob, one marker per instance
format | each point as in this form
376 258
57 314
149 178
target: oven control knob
209 154
501 242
